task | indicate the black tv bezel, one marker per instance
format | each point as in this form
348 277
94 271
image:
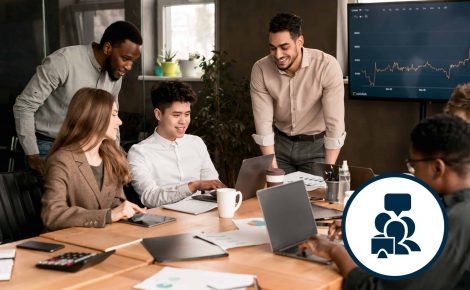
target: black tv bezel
381 98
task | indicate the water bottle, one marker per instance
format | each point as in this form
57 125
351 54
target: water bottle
344 181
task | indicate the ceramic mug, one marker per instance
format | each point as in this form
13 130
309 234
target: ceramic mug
226 202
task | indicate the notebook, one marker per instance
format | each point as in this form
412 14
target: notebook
289 219
181 247
6 263
191 206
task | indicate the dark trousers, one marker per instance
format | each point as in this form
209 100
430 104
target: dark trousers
299 155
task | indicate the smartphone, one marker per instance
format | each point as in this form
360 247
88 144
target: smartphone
40 246
149 220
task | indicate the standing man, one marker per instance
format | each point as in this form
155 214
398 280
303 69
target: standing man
41 108
298 100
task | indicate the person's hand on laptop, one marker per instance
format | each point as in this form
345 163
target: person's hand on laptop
334 232
205 185
322 247
318 245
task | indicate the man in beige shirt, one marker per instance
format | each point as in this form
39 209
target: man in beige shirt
298 100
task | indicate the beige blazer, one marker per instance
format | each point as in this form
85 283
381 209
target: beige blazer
72 197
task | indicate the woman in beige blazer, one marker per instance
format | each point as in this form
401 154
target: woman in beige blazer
86 169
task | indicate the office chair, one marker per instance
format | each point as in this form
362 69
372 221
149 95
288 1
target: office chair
20 206
132 195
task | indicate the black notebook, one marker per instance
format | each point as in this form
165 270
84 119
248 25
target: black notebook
181 247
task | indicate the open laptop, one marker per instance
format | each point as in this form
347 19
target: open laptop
289 219
251 177
359 175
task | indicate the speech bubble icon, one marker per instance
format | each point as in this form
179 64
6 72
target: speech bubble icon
397 202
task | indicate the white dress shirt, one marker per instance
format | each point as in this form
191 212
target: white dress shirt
161 169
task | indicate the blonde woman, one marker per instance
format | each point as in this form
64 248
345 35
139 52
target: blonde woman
86 169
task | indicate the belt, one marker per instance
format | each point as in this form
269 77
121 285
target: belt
299 138
44 137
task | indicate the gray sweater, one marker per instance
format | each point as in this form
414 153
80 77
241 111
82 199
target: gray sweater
42 105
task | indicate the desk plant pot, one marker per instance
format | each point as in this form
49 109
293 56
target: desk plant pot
190 68
170 69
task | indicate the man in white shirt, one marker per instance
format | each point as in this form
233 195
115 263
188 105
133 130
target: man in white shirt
171 165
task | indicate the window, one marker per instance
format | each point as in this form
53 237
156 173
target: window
186 26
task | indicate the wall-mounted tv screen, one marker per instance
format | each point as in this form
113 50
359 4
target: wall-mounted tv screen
408 50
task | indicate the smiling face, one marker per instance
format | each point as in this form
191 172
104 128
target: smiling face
114 123
285 51
174 120
120 58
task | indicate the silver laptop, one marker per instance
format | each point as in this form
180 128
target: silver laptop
289 219
252 175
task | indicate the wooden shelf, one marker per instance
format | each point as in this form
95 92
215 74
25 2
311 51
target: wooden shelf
162 79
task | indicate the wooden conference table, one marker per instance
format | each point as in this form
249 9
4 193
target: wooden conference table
132 264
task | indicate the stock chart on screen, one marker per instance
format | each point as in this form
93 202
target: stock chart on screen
409 50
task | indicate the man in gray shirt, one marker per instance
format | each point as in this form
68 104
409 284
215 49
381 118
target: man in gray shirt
41 108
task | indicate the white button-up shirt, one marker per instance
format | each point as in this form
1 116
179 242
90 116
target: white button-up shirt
161 169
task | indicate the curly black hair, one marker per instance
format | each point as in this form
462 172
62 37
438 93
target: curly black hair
286 21
446 137
172 91
118 32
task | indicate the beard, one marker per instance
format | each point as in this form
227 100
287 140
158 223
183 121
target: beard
109 69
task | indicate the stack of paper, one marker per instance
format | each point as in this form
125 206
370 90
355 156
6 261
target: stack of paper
251 232
6 263
175 279
311 181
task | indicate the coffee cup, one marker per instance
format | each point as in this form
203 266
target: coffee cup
227 201
275 176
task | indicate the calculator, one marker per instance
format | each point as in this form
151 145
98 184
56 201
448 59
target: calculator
73 261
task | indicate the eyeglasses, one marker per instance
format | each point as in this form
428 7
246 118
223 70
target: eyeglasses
410 163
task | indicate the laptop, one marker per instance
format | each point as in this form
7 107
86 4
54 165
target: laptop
359 175
251 177
289 219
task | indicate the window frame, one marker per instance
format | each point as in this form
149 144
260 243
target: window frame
165 20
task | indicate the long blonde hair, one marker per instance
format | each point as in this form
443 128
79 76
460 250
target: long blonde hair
85 124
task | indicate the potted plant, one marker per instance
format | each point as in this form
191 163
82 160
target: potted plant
224 118
190 67
169 67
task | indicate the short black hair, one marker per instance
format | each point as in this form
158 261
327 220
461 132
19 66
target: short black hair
169 92
286 21
120 31
446 137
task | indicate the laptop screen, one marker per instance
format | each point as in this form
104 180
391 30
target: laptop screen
287 213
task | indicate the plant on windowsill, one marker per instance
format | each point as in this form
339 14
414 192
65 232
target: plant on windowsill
169 67
224 118
190 67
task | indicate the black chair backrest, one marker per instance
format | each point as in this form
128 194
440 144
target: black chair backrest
132 195
20 206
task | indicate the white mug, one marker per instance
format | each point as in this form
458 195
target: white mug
226 198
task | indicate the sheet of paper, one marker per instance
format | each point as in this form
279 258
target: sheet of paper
311 181
251 224
7 253
251 232
182 279
6 267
